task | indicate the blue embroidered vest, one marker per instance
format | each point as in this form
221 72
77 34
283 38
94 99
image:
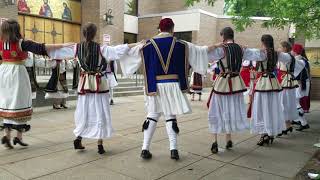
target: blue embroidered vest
165 60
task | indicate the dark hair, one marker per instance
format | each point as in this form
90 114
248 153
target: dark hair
286 45
64 3
89 32
272 55
10 31
303 54
227 33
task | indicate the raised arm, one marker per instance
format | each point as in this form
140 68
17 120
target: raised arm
34 47
284 57
114 52
252 54
62 51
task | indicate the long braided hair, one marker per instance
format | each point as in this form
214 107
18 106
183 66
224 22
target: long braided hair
89 32
288 47
272 55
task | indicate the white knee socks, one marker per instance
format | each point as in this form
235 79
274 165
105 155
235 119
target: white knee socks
301 116
148 133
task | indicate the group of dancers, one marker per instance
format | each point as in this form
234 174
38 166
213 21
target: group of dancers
166 62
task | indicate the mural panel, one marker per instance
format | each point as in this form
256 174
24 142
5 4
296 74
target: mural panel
69 10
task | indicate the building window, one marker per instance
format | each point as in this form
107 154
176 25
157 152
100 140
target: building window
130 38
131 7
187 36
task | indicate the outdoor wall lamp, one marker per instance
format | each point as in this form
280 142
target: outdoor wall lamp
108 17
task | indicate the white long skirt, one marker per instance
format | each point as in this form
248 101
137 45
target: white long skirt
169 101
288 97
15 93
267 116
227 113
93 116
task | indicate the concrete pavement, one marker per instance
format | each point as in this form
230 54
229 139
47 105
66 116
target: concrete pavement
51 154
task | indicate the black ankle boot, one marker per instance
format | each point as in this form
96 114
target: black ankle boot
301 128
18 141
77 144
145 154
229 145
63 106
6 141
101 149
175 154
265 139
214 148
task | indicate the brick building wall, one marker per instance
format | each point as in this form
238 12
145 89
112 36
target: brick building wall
148 7
10 11
252 35
90 12
216 9
207 33
115 30
148 27
163 6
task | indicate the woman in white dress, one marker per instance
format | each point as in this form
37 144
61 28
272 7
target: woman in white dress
267 114
227 113
92 116
286 76
15 88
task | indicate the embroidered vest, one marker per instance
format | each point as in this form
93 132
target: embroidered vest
266 78
229 80
165 61
11 52
91 63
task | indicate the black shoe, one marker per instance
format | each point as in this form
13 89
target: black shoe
301 128
295 123
111 102
175 154
214 148
279 135
55 107
101 149
229 145
285 132
77 144
145 154
271 139
18 141
264 140
63 106
6 142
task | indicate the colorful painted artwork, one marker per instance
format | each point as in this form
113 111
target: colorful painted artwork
69 10
314 58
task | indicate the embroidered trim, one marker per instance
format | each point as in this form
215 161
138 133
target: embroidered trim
165 65
166 77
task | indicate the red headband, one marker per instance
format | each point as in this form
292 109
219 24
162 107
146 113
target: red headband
166 24
297 48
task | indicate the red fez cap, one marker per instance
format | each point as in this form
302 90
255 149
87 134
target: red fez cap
297 48
166 24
